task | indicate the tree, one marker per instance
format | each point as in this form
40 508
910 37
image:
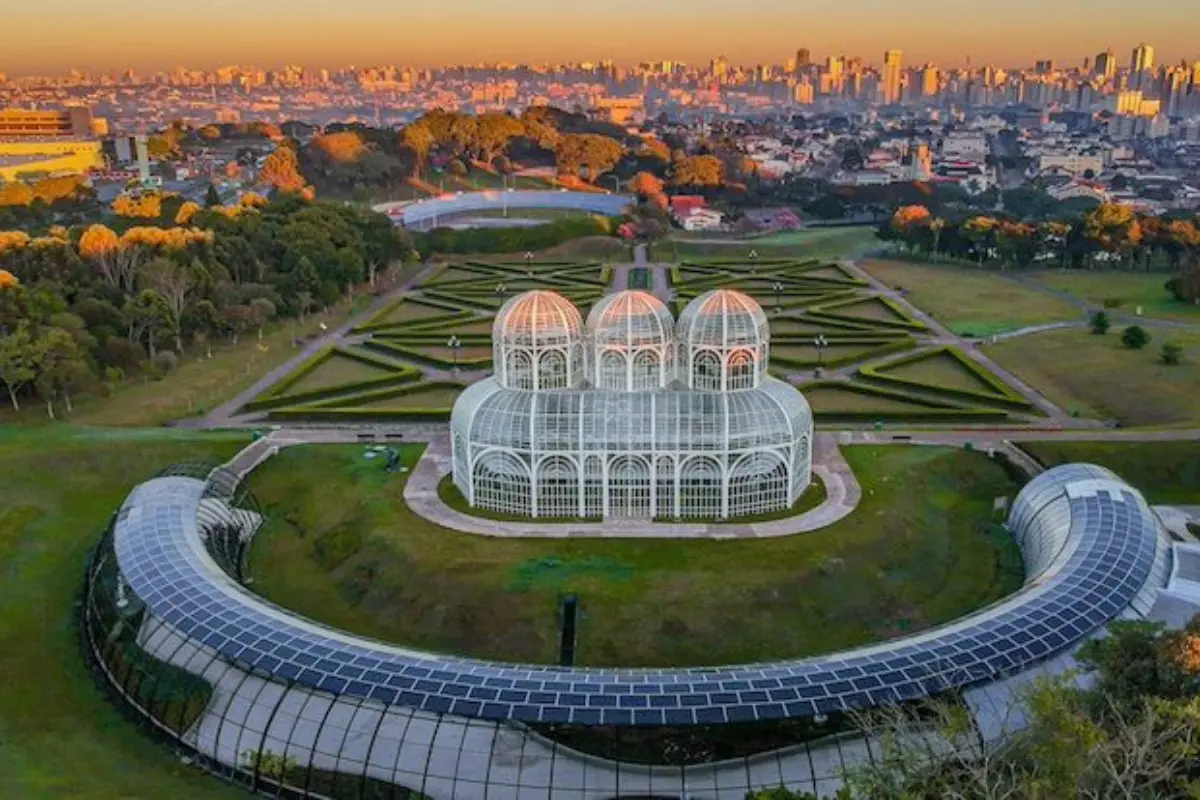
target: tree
493 132
1100 323
1135 337
262 311
645 184
343 147
1113 228
1172 354
282 171
419 139
304 301
60 369
186 213
147 314
175 283
598 154
702 171
19 361
237 320
100 245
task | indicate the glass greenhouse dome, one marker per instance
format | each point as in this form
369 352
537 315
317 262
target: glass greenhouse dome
632 414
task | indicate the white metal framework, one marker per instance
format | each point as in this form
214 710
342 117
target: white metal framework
632 415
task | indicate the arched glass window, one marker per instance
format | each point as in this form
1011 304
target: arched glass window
502 483
647 370
741 370
758 484
552 370
706 371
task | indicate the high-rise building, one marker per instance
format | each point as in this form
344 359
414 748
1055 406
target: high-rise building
1044 67
890 84
1106 65
803 58
929 81
1143 58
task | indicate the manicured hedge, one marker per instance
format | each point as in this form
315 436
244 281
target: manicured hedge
933 410
291 379
853 358
1004 395
360 415
377 321
388 347
333 392
384 394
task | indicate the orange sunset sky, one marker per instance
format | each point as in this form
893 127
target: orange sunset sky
51 35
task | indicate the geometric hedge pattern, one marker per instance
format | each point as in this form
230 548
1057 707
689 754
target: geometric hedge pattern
878 363
411 358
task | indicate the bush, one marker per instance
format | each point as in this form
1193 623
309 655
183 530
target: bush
1172 353
164 363
1100 323
1113 302
1135 337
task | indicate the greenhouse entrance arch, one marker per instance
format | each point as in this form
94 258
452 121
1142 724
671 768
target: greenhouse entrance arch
629 488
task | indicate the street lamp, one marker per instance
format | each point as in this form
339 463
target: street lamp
753 261
505 198
820 344
454 344
500 290
778 287
529 263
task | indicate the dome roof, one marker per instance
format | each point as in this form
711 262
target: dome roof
630 318
723 318
537 319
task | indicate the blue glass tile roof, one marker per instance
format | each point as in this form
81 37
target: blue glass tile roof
1089 540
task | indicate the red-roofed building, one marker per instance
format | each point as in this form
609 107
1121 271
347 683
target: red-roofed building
684 204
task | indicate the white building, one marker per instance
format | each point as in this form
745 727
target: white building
632 415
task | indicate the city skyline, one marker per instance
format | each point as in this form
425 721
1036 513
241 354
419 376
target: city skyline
151 37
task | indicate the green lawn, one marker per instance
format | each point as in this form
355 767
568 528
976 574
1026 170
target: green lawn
1101 378
342 547
971 301
59 738
811 243
1131 290
1165 472
337 370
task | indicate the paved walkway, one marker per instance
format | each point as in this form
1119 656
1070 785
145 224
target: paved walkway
942 334
842 489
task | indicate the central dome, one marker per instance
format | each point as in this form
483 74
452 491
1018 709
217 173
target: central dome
630 319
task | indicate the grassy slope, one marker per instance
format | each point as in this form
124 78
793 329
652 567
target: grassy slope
1166 472
1100 377
354 556
58 736
812 243
971 301
1132 289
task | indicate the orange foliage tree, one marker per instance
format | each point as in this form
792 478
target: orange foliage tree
7 279
344 147
282 171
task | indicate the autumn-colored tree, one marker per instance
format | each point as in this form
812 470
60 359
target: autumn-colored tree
252 200
1113 228
282 171
419 139
598 154
116 264
149 236
698 172
7 280
186 212
146 205
645 184
980 232
493 132
15 194
343 147
13 240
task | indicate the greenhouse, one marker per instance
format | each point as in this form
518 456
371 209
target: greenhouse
632 414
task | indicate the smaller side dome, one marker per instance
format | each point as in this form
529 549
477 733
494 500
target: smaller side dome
537 318
724 341
537 342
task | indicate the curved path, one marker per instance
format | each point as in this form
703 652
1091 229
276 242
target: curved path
841 487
